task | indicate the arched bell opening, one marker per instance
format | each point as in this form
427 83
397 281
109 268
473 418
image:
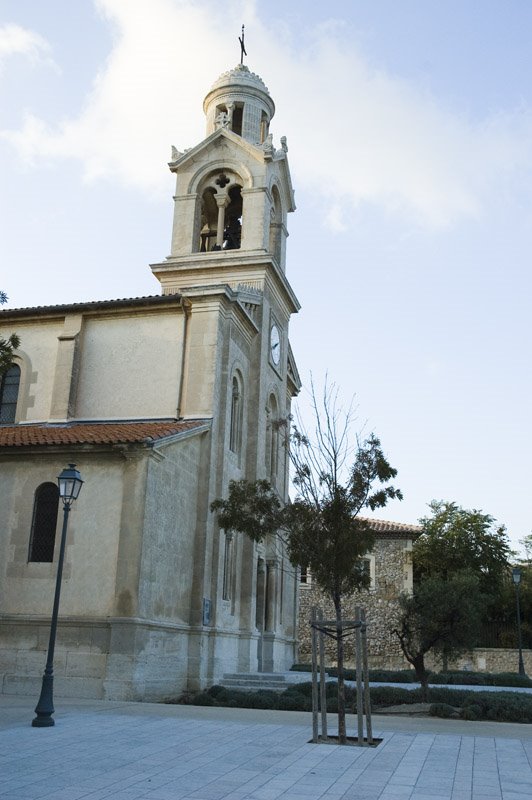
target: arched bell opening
276 225
209 220
220 215
233 219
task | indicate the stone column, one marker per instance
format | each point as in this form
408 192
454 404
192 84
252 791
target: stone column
221 202
271 594
66 369
261 592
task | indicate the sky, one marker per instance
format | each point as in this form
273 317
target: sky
409 128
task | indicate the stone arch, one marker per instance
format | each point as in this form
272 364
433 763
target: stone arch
276 224
272 438
24 401
236 418
213 168
219 210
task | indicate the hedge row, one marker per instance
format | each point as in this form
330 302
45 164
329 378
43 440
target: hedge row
498 706
458 677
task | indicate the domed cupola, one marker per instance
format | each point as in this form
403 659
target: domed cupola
240 102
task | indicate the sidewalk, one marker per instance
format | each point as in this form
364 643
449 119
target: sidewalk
125 751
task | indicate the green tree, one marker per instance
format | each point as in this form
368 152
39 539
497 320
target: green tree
444 615
526 543
461 571
454 539
7 346
322 529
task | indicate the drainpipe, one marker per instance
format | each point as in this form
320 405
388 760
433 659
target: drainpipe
186 307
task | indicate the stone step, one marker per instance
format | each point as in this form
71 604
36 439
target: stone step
256 681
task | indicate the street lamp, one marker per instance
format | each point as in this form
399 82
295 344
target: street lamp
516 577
70 484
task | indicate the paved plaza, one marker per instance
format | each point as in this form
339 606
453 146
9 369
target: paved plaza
125 751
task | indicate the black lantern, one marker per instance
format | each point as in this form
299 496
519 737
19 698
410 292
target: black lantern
70 484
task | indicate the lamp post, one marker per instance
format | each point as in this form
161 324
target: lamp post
70 484
516 577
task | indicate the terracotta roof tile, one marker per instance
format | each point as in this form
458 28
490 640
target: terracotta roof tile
92 433
90 305
396 530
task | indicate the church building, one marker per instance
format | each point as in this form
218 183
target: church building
159 401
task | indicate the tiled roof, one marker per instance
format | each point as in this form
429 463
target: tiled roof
92 433
90 305
396 530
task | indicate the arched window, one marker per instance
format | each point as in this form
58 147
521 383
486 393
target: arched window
9 386
235 430
276 225
272 440
220 214
45 508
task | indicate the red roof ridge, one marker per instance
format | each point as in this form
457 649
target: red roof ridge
385 525
72 433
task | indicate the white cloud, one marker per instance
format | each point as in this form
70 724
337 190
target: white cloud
356 134
15 40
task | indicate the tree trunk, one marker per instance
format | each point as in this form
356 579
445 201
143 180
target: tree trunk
340 663
418 662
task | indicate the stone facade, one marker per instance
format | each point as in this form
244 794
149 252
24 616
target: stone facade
488 659
161 402
390 565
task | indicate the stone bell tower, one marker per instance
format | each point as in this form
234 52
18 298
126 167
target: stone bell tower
233 192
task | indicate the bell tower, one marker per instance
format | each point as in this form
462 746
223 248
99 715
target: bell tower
233 193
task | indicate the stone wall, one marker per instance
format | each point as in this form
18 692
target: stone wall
391 572
488 659
80 661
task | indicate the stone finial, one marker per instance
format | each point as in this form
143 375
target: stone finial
222 120
269 149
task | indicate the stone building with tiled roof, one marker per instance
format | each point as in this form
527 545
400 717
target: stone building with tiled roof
390 569
159 401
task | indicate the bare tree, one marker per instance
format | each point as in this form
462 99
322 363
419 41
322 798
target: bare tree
335 479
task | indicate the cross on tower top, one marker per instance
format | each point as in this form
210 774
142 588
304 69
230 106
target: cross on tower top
242 47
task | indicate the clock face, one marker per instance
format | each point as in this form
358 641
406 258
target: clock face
275 344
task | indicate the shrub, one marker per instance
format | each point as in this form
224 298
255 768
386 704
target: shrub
204 699
304 689
510 679
443 710
219 692
292 701
497 706
453 697
262 699
392 675
462 677
393 696
471 713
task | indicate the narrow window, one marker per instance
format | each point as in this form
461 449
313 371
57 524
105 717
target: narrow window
235 431
263 127
304 576
228 566
272 440
9 387
237 118
368 571
45 507
276 226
